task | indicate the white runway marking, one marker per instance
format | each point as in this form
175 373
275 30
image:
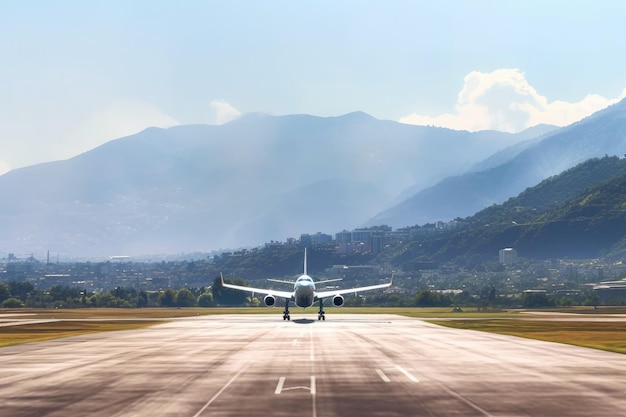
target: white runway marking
312 353
313 392
280 387
382 375
220 392
407 374
398 368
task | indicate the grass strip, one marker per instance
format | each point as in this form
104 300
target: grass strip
609 336
37 332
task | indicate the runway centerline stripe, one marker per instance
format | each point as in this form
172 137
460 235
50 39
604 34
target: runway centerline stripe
312 353
313 392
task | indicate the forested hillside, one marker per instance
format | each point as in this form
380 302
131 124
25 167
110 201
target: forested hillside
580 213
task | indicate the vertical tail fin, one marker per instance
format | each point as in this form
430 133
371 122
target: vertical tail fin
305 261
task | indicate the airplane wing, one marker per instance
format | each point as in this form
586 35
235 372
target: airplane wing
281 281
328 280
332 293
275 293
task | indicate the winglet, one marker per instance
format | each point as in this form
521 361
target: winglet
222 277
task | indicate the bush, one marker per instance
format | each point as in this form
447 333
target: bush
12 303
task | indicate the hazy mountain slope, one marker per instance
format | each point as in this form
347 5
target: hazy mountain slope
603 133
577 214
534 135
256 179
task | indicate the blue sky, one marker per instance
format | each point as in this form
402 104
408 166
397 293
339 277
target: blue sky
76 74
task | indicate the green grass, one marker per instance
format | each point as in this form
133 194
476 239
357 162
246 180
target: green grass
37 332
591 310
610 336
104 313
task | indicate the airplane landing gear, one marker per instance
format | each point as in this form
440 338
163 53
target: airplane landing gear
286 312
321 315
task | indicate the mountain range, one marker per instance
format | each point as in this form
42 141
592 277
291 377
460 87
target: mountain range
580 214
262 178
508 172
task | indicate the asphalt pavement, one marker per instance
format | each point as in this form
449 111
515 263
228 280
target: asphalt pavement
348 365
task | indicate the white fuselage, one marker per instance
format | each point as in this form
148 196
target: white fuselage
304 291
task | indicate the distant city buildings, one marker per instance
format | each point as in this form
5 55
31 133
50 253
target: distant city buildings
373 239
507 256
315 240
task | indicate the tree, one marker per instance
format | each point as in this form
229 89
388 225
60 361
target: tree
12 303
185 298
142 299
426 298
21 289
63 293
120 292
167 298
464 298
108 300
206 299
4 292
593 300
226 296
536 299
487 297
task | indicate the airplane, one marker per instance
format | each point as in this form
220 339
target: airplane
304 293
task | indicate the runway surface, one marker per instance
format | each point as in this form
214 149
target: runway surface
348 365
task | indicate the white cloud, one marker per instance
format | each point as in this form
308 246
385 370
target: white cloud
4 167
224 111
503 100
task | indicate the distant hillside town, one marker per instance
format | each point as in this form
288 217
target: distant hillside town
372 239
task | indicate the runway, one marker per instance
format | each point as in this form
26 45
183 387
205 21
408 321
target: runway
348 365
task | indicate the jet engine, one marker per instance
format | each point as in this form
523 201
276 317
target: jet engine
269 300
338 301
